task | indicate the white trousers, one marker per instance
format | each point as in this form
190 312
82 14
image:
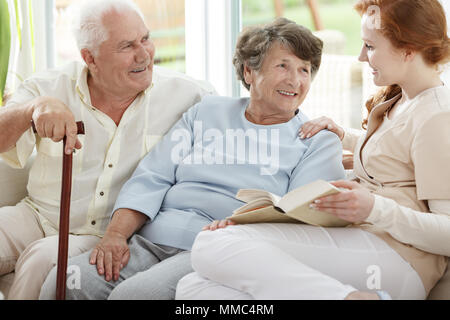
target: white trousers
294 261
26 250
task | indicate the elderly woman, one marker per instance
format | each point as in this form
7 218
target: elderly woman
400 207
218 146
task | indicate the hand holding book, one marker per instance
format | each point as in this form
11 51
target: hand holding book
354 205
294 207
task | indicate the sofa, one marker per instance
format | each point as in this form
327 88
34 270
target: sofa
13 182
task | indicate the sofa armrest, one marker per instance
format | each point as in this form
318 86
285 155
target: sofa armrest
13 183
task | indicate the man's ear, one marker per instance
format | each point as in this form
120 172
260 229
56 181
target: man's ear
88 58
248 74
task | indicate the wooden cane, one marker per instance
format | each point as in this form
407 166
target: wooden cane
64 217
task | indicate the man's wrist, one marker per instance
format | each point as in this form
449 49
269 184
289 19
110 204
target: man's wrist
30 107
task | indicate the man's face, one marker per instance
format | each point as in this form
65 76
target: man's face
124 64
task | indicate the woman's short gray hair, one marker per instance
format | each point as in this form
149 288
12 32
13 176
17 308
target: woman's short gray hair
88 27
254 43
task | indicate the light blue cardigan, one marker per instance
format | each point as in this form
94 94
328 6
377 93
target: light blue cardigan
192 175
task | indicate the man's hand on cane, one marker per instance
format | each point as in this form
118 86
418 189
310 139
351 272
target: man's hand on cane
54 120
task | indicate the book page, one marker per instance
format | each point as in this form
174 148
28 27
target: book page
250 195
306 194
262 215
253 205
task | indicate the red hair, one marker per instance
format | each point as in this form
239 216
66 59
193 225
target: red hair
418 25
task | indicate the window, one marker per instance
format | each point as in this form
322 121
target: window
341 86
331 15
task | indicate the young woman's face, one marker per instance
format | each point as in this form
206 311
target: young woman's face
387 62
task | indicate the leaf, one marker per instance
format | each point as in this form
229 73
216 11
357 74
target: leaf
5 45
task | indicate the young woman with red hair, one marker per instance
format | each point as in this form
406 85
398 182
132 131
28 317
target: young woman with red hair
399 205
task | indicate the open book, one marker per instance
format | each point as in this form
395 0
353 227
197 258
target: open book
263 206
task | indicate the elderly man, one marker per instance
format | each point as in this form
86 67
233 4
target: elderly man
126 105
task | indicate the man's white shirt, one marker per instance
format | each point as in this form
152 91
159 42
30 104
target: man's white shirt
110 153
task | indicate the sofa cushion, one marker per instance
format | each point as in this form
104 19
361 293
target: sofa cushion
442 289
5 283
14 183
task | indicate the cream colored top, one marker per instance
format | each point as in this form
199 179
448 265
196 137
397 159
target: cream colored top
109 154
405 162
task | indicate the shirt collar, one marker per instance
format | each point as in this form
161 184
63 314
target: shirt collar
82 86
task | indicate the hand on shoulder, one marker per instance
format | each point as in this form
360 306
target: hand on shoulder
312 127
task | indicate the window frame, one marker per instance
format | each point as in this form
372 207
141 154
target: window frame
209 56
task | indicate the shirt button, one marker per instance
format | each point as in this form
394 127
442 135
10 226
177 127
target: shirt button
110 165
102 193
93 222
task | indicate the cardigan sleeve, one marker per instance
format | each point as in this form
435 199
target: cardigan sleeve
430 153
156 172
426 231
351 137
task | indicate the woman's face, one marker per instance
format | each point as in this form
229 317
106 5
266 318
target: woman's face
282 82
387 62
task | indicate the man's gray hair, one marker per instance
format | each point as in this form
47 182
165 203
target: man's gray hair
88 27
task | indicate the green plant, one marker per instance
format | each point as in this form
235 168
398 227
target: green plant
5 45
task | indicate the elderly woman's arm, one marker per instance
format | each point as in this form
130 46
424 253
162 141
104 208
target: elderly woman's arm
155 175
141 198
322 160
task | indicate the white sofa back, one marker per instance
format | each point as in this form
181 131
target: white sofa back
13 183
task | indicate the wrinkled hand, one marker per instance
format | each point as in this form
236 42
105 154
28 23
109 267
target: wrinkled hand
311 127
353 205
110 255
54 120
218 224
